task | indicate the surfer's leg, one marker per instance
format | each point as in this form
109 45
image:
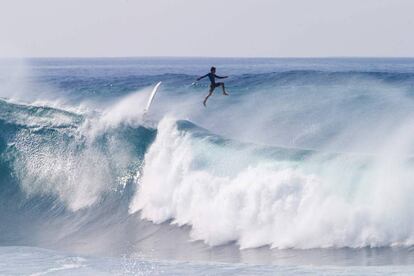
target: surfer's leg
210 92
224 89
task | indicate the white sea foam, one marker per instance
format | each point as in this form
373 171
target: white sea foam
307 205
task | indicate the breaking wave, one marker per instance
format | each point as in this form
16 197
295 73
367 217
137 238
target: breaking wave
84 173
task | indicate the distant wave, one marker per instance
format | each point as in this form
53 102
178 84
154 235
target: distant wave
117 85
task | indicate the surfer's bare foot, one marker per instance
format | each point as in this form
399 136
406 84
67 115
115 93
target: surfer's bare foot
204 103
225 94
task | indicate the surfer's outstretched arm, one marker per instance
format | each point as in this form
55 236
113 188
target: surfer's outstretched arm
202 77
225 77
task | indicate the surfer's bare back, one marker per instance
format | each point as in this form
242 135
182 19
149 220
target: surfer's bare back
213 84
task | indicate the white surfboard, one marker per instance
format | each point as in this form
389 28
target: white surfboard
151 97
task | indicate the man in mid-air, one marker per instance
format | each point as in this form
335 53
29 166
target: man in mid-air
213 84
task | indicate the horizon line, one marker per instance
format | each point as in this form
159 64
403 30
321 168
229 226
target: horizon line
207 57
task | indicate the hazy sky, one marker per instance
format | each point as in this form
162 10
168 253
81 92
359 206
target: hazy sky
253 28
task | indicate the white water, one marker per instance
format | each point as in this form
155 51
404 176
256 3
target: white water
313 204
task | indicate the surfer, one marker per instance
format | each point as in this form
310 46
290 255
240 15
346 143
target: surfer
213 84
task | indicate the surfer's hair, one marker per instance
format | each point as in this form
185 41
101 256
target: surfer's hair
212 69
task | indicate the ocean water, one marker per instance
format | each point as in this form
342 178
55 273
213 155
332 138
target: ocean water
306 168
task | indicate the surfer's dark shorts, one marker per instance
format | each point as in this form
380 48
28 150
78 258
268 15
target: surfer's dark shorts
215 85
